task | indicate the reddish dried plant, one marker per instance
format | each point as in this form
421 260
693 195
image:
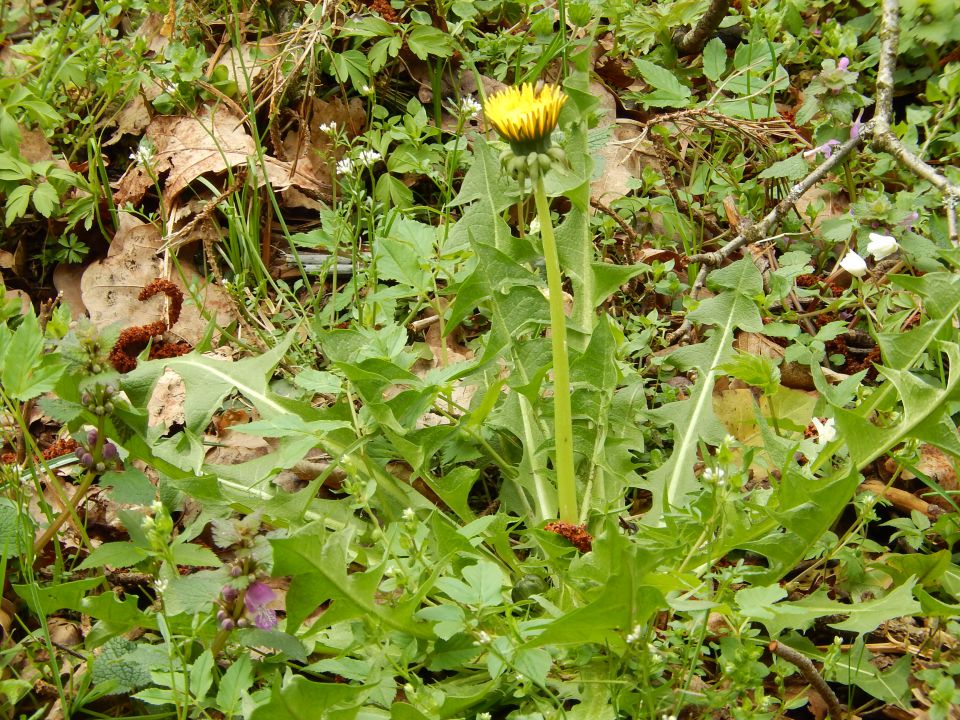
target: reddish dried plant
133 340
576 534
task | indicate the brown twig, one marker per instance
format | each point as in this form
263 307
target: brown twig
884 138
692 41
606 209
810 674
758 231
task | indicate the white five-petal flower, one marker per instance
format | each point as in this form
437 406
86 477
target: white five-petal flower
826 430
881 245
854 264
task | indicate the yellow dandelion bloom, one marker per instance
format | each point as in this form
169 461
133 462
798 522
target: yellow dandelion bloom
525 116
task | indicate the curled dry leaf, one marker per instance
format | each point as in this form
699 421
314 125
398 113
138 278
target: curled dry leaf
246 63
66 279
166 403
792 375
314 151
109 287
215 140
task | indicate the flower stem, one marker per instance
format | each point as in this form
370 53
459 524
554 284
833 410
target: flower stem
562 414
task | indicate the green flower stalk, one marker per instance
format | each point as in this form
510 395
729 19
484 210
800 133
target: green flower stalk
525 117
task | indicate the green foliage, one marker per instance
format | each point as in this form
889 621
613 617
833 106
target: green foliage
389 553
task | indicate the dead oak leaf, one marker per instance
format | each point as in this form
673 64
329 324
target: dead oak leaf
212 142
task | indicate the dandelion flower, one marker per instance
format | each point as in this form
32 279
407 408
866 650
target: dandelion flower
525 115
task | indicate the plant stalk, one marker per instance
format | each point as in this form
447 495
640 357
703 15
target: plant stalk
562 413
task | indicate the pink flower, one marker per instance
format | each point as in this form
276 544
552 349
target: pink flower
256 599
855 128
843 63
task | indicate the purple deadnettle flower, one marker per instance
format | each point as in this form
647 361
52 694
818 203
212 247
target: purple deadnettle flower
855 128
256 599
843 63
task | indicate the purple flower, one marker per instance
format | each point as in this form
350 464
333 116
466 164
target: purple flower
826 149
256 599
909 220
843 63
855 128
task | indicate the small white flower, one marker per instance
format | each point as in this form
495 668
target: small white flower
826 430
483 638
881 245
366 90
711 475
143 155
535 226
161 586
409 514
368 157
484 716
634 635
329 128
468 107
854 264
729 440
345 166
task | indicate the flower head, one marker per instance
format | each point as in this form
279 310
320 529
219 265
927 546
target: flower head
467 107
881 245
368 157
345 166
329 128
826 149
144 154
854 264
826 430
525 115
256 599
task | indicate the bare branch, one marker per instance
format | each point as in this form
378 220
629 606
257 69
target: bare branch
884 138
753 233
692 41
810 674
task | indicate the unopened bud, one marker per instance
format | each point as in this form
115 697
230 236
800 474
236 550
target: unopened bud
86 460
229 593
110 451
92 437
227 624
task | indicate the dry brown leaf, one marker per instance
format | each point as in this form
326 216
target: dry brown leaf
24 298
6 260
792 375
109 287
314 151
66 279
187 147
246 63
166 403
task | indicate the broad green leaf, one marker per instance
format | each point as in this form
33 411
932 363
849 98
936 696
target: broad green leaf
862 617
114 554
26 371
694 419
714 59
301 699
668 90
15 529
318 562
